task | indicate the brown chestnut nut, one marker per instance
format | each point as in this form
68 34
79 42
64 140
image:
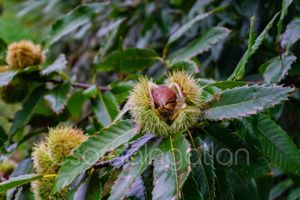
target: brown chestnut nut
164 99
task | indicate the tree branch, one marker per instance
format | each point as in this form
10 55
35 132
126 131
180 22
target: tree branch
82 85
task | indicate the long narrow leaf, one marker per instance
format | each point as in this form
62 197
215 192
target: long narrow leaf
203 169
182 30
277 146
244 101
89 152
171 168
17 181
200 45
132 171
252 48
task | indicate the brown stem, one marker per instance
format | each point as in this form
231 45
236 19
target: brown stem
83 85
101 164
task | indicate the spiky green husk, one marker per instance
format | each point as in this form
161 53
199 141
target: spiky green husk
42 160
62 140
47 158
149 119
7 166
189 87
24 53
42 190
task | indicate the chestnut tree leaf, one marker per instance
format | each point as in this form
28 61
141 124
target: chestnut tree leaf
90 151
6 77
171 167
74 19
111 35
128 60
276 69
243 101
185 27
291 34
133 170
57 66
18 180
76 103
58 97
105 108
23 116
200 45
223 188
242 156
242 187
253 45
284 9
277 145
191 189
203 169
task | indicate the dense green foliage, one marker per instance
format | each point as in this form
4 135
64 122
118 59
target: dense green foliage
242 54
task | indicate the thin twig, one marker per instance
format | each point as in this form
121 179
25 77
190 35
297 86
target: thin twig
82 85
101 164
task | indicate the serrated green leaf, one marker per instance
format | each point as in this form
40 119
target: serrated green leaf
244 101
191 189
58 97
240 68
200 45
252 48
109 40
264 185
208 93
291 34
91 188
277 146
182 30
203 169
75 103
73 20
171 168
223 85
90 151
19 180
131 150
121 90
128 60
242 187
94 190
284 8
57 66
91 92
223 189
22 117
24 167
6 77
137 190
105 108
232 151
147 177
24 192
133 170
185 65
294 194
78 188
276 69
280 188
